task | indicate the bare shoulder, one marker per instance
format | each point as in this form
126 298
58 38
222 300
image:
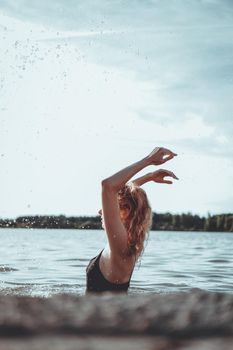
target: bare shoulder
116 259
116 268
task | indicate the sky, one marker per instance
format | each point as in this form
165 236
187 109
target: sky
87 88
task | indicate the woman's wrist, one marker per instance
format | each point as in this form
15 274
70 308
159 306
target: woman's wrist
142 179
149 177
146 162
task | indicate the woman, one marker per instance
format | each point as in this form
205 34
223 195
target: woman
126 218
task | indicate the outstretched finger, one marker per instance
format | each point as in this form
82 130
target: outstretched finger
174 176
174 154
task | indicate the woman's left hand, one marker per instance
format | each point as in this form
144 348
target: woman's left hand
159 175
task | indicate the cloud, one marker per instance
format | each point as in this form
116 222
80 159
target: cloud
137 14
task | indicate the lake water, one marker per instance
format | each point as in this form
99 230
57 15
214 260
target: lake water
45 262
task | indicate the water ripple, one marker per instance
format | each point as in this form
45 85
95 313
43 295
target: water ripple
7 269
219 261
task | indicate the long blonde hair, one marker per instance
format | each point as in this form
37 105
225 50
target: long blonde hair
139 219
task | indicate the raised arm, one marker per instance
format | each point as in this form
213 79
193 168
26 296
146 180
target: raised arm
116 232
158 156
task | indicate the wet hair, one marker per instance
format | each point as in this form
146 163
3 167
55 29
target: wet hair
139 219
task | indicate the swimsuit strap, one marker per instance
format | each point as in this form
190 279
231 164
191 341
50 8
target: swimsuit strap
98 256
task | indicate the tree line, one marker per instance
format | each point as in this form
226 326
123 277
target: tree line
161 222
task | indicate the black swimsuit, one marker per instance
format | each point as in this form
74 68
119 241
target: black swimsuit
96 282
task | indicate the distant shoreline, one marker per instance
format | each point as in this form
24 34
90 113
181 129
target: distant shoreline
161 222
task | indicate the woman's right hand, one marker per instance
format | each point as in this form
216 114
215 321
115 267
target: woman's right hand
159 175
160 155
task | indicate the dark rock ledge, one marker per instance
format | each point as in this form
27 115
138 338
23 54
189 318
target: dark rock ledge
195 320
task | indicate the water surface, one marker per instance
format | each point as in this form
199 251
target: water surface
45 262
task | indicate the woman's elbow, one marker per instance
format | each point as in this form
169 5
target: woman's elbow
105 183
108 185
